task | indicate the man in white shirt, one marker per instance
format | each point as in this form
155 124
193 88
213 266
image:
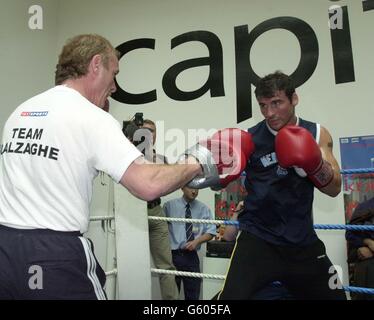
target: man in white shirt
53 147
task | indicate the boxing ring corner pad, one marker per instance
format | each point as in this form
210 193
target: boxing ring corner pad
132 241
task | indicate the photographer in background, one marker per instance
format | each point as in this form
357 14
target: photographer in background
142 133
158 230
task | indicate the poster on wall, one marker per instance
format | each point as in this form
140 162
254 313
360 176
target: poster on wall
357 153
227 199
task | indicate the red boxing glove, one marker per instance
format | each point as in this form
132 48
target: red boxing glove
233 140
296 147
240 139
223 158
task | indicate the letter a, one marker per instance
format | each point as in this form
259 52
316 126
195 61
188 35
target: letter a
334 281
36 280
36 20
336 17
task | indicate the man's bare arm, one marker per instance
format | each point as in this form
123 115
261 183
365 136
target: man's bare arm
326 145
148 181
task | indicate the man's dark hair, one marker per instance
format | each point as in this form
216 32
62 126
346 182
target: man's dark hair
267 86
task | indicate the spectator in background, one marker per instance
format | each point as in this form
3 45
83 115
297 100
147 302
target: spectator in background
186 238
158 233
361 248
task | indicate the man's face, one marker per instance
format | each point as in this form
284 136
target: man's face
152 128
105 85
189 193
278 110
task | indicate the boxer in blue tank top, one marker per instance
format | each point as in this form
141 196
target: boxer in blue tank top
277 241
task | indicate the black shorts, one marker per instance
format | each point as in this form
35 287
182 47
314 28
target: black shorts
306 272
47 264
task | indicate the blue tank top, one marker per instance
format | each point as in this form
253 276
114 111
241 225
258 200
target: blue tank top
278 207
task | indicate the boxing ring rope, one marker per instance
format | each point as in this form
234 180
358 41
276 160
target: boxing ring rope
111 273
347 171
236 223
230 222
356 171
102 218
222 277
188 274
114 272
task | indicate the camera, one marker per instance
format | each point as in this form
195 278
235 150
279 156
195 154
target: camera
129 127
140 137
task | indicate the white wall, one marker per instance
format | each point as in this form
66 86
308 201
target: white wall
345 109
28 59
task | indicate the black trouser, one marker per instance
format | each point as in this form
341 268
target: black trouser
185 260
305 271
364 277
46 264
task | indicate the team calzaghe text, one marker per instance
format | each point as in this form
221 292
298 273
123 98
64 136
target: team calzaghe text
193 309
19 144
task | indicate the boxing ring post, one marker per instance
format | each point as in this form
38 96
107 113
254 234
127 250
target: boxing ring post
133 254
